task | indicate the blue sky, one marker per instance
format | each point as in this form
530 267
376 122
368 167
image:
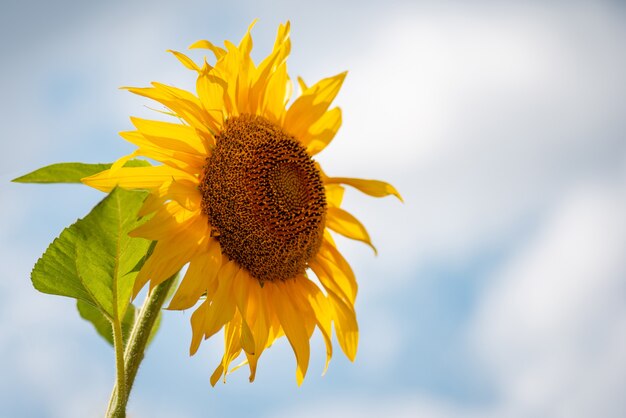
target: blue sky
500 285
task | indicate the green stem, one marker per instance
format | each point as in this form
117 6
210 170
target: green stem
136 346
119 391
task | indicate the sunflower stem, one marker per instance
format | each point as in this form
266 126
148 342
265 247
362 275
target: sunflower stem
119 391
136 346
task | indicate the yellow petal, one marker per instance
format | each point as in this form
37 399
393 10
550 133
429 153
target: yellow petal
374 188
275 329
282 42
260 326
219 371
185 60
321 310
260 79
223 305
147 178
185 193
347 225
171 254
245 72
232 348
174 92
292 323
228 68
204 44
339 269
200 276
189 162
122 161
325 277
334 194
346 326
328 237
302 84
245 46
242 282
173 136
277 94
232 341
297 294
319 135
272 70
169 219
212 92
247 339
198 318
312 104
184 104
344 317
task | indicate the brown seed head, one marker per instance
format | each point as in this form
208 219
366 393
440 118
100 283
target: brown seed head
264 198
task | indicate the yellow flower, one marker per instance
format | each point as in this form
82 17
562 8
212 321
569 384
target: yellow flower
239 199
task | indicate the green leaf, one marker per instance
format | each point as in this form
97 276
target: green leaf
102 324
70 172
94 259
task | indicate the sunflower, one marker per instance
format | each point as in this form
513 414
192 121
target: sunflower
240 201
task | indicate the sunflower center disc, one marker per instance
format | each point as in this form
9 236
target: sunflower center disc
264 198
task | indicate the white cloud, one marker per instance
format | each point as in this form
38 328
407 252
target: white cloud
400 406
481 117
382 338
552 325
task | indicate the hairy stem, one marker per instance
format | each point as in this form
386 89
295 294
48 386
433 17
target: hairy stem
136 346
119 391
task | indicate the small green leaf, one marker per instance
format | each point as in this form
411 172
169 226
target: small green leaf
93 260
70 172
102 324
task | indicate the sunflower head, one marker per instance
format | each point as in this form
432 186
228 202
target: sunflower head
264 198
238 199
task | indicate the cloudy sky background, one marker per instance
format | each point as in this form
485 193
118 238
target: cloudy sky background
500 285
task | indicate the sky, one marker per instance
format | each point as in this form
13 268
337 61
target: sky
499 289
